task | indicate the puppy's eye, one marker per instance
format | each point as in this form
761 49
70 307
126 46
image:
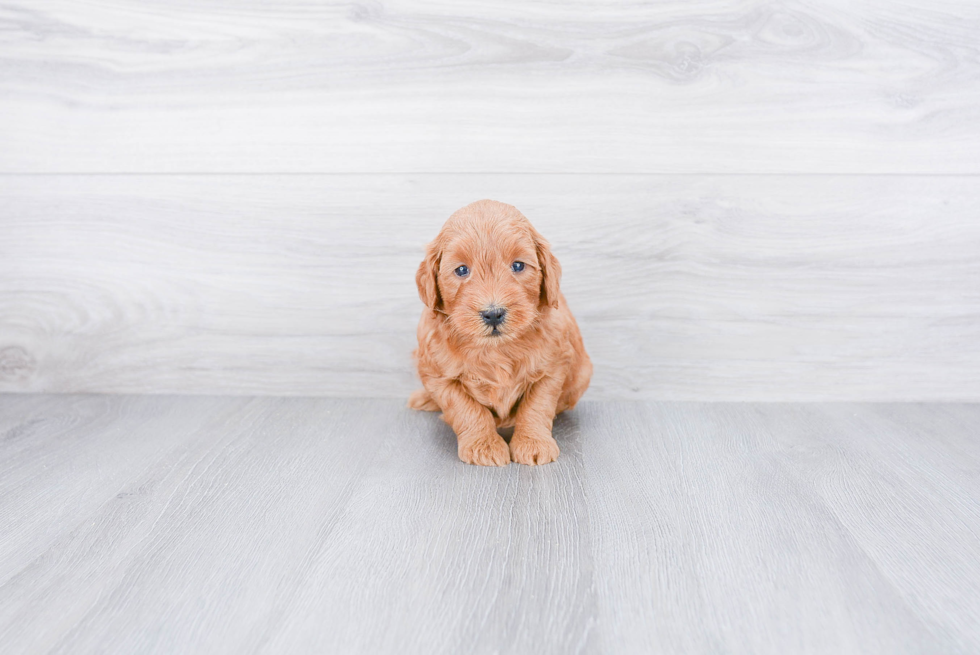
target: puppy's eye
517 267
462 271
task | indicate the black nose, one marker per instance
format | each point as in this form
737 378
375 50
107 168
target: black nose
493 316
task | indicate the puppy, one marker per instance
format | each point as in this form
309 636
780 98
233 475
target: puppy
498 346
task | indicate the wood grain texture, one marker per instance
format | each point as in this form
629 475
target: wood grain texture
819 519
243 497
686 287
543 86
329 525
64 458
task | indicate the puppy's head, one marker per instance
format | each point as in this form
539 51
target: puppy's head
489 272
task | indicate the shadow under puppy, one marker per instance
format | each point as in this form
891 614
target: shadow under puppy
498 346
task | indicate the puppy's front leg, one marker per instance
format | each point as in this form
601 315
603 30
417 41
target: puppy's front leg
532 442
476 433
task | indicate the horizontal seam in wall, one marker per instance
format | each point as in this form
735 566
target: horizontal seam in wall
463 173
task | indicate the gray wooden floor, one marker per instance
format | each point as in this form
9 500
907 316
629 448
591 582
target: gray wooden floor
138 524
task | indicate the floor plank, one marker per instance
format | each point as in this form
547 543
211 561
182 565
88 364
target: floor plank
68 456
342 525
699 510
515 87
212 536
686 287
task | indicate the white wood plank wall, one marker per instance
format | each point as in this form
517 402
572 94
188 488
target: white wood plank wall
751 200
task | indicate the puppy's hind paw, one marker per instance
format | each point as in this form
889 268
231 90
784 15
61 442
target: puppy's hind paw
487 451
533 452
422 401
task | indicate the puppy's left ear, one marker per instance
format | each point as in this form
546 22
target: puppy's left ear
550 271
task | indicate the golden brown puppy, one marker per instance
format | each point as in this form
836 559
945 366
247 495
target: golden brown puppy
498 346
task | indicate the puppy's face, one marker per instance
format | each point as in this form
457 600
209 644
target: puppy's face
489 272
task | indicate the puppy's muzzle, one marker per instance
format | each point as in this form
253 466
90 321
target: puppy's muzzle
493 316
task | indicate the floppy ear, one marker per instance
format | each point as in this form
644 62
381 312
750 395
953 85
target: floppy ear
426 276
550 271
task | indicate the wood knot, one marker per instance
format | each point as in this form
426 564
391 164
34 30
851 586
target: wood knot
16 364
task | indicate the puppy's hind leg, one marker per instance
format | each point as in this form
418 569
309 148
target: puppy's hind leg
422 400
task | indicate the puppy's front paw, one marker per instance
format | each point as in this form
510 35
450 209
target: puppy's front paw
533 450
485 451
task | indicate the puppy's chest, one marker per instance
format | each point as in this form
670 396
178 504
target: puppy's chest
497 388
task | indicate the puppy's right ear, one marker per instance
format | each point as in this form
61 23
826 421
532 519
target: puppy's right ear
426 277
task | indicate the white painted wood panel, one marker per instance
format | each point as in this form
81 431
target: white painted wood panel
313 525
686 287
520 86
